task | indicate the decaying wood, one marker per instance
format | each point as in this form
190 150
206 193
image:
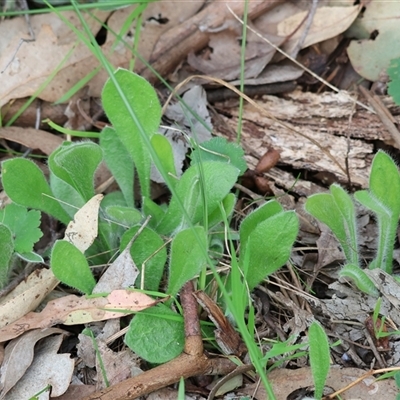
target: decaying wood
330 119
193 34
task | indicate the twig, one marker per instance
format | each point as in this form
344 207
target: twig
383 114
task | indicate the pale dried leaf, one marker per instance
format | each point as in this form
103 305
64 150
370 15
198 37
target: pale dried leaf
27 296
328 22
285 381
73 310
118 365
53 42
18 357
82 231
48 368
121 274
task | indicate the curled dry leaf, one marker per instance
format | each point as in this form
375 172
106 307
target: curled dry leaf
73 310
18 357
82 231
48 368
26 296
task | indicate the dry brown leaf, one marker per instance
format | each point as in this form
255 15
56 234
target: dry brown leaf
82 230
285 381
27 296
54 40
73 310
18 357
118 365
32 138
328 22
48 368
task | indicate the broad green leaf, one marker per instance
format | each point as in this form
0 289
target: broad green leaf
23 224
319 357
148 247
323 207
127 216
195 189
131 107
386 227
360 278
268 246
384 182
219 149
71 199
119 162
69 266
75 164
6 253
262 213
156 334
26 185
188 257
165 154
345 205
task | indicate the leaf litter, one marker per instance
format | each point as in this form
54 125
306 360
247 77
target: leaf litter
347 127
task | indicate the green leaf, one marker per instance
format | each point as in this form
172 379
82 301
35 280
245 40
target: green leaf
139 109
219 149
23 224
196 189
75 164
71 199
157 213
384 182
262 213
6 252
188 257
69 266
25 184
119 162
156 334
228 204
360 278
127 216
30 257
336 210
394 84
319 357
268 246
164 152
147 247
384 185
385 227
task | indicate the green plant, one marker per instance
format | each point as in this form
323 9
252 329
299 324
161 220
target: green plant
19 231
200 207
201 201
319 357
336 210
